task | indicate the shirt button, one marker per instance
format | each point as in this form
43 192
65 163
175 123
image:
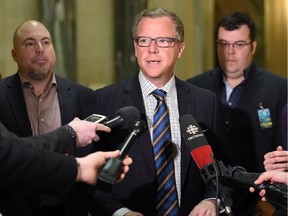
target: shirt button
42 120
227 122
230 104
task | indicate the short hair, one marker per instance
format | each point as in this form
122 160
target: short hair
160 12
235 20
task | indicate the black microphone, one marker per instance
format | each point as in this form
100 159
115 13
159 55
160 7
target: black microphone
202 154
276 193
113 167
124 117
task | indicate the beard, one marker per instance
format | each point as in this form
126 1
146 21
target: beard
39 75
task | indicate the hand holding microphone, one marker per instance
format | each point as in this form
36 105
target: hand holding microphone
124 117
271 176
113 167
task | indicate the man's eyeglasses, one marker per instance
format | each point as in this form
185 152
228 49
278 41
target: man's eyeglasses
236 45
163 42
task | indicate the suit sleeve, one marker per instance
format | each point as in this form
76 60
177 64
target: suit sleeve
55 141
25 167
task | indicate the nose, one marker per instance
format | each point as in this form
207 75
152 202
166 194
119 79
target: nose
39 48
231 48
153 48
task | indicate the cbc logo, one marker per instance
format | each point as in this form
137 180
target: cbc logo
192 129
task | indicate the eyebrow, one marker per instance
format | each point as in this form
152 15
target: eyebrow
222 40
33 39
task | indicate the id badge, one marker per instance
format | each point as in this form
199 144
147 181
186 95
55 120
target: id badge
264 116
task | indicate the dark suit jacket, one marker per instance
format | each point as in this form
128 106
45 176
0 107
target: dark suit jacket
138 190
247 141
25 167
74 100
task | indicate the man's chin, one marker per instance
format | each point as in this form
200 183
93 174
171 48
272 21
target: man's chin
39 75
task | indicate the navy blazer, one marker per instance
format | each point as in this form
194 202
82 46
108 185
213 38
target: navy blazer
74 100
138 190
247 141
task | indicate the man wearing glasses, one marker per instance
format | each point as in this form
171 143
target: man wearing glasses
159 43
251 101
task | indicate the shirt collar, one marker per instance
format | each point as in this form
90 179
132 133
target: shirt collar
246 73
26 84
147 87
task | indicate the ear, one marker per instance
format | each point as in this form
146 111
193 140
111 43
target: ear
14 55
254 45
181 49
135 49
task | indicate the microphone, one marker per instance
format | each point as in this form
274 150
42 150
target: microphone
211 169
124 117
113 167
276 193
202 154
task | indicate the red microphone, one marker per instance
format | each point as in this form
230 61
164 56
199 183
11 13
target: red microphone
211 169
197 143
202 154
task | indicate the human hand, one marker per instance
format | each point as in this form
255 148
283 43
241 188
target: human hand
276 160
86 131
204 208
272 176
89 167
132 213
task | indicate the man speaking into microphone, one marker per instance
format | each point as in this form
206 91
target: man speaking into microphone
160 98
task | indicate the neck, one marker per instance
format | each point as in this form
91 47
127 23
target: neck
233 82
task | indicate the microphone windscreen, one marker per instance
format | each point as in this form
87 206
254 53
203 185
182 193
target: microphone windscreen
194 138
129 115
191 132
202 156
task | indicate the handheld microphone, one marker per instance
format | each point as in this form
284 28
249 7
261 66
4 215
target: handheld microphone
113 167
124 117
202 154
276 193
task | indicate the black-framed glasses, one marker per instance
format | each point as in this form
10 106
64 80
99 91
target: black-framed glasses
236 45
163 42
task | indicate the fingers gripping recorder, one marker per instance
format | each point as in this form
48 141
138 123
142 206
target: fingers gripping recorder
123 118
113 167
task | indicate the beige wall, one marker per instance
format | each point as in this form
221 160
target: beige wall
13 13
95 42
94 37
276 36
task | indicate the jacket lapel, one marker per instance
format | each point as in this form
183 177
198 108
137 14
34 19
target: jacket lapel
16 101
133 97
186 105
65 98
250 89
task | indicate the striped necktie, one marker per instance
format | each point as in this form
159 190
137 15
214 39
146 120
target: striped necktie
167 203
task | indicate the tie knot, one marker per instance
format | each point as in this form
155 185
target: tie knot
159 94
